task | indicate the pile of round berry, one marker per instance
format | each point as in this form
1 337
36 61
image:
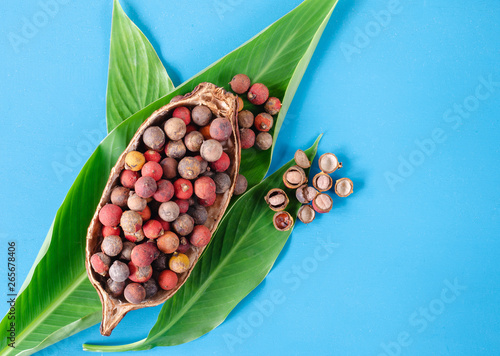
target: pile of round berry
157 213
257 94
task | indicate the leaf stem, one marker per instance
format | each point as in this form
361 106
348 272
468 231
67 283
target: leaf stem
112 348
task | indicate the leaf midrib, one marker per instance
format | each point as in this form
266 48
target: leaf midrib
47 312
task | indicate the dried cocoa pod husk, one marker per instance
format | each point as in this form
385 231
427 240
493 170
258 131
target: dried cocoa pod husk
222 104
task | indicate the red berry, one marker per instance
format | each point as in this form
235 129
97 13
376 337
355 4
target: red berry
273 106
183 188
258 94
182 113
221 164
110 215
152 156
145 214
167 279
263 122
204 187
247 138
153 229
128 178
190 128
220 129
164 191
109 230
145 187
209 201
153 170
139 274
200 236
183 205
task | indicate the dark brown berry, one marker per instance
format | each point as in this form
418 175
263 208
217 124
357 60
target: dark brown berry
241 185
220 129
134 293
264 141
119 196
201 115
154 138
189 168
175 149
245 119
240 83
183 225
247 138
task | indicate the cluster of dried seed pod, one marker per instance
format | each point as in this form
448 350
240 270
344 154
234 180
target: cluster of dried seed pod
322 182
254 129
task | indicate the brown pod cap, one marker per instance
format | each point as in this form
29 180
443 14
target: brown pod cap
221 104
344 187
306 214
301 159
323 203
282 221
294 177
329 163
305 194
322 182
277 199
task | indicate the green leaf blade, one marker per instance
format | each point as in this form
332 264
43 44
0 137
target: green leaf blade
241 254
136 76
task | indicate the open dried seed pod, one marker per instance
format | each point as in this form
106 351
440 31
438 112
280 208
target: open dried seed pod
344 187
301 159
322 182
322 203
222 104
294 177
282 221
306 214
305 194
277 199
329 163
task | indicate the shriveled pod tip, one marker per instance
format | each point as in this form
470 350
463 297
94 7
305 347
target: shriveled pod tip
301 159
329 163
277 199
282 221
344 187
322 182
294 177
306 214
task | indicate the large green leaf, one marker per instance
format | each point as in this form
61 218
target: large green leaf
241 254
136 76
50 290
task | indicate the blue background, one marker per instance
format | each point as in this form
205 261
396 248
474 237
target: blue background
397 243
